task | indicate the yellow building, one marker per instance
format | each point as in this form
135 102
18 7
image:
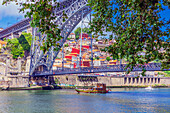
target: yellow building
1 29
2 44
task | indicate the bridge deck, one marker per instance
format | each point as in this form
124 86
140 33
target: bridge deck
100 69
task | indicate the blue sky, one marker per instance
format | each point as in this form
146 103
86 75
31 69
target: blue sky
9 14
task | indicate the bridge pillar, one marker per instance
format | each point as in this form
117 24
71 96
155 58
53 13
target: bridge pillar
131 80
146 81
19 64
7 65
28 64
153 80
12 35
135 81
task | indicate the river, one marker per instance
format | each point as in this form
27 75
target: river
120 100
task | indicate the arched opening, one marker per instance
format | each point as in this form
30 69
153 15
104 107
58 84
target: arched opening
141 80
148 80
125 80
158 80
137 80
144 80
40 81
41 68
129 80
133 81
151 80
155 80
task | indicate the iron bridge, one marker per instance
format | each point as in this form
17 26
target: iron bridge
100 69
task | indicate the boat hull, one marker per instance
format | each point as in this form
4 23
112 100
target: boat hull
91 91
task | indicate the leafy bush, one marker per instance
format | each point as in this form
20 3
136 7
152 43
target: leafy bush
20 47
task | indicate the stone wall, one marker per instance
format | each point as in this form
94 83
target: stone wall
12 75
18 81
113 81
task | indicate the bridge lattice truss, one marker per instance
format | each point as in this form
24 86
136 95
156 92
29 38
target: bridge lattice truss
75 10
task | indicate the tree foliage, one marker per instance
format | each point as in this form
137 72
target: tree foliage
20 47
138 28
78 32
108 58
15 48
66 45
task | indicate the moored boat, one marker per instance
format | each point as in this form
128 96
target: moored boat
99 88
5 88
149 88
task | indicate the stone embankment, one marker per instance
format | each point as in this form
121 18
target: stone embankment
12 73
113 81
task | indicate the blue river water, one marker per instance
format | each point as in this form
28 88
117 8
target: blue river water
119 100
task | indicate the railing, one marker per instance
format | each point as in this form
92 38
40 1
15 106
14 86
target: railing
112 68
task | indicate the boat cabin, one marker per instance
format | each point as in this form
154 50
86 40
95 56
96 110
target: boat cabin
100 86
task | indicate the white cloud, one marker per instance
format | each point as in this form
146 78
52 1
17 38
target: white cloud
12 9
9 10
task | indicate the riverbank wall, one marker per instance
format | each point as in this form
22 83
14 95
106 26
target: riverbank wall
112 81
15 81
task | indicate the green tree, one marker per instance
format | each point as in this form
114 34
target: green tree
20 46
138 27
15 48
86 30
168 73
25 42
68 38
108 58
77 32
66 45
97 57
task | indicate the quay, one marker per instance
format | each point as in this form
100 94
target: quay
114 81
72 81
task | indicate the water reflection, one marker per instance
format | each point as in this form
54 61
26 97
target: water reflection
119 100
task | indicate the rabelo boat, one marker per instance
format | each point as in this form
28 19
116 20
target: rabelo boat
99 88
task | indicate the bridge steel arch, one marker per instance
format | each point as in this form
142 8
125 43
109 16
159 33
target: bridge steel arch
75 10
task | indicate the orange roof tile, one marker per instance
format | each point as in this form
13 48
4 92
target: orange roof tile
71 33
59 66
3 42
113 61
83 66
86 60
110 64
73 53
102 59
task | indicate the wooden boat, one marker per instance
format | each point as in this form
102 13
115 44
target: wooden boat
5 88
100 88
